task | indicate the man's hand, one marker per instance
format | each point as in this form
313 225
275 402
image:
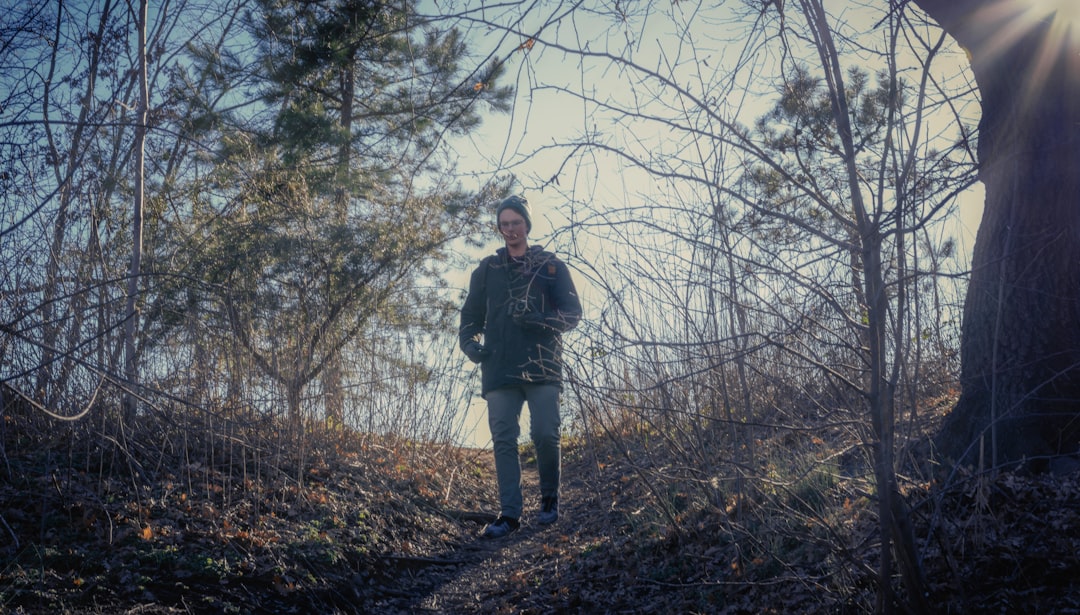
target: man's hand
476 352
531 320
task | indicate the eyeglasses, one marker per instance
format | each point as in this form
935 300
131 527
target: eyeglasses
511 223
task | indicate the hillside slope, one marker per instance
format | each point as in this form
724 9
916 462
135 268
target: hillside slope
385 526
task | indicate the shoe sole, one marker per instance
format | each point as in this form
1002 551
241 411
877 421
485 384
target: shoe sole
496 534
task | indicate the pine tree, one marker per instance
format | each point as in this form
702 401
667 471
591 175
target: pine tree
339 206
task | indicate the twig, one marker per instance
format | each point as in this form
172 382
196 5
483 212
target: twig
10 531
450 483
434 561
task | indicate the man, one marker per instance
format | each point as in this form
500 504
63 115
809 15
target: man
521 299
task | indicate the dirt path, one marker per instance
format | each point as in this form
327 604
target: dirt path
479 575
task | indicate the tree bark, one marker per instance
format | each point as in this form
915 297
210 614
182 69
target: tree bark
131 315
1020 347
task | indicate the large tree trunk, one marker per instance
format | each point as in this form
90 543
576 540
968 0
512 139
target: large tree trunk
1020 349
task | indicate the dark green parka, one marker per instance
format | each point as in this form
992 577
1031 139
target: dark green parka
519 308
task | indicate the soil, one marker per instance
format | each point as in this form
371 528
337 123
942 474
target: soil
482 575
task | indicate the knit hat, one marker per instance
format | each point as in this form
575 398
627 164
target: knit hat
518 204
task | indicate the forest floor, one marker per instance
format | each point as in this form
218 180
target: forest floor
393 527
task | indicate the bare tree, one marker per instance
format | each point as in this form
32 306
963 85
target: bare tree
69 142
759 283
135 118
77 318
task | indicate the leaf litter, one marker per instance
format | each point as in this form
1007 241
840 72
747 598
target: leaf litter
388 526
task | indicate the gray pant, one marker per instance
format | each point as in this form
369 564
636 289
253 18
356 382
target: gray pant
504 414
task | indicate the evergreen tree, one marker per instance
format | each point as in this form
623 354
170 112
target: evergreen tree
338 202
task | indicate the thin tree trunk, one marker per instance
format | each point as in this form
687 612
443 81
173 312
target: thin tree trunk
879 388
47 382
333 374
134 272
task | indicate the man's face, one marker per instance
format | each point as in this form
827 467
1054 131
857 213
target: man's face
512 227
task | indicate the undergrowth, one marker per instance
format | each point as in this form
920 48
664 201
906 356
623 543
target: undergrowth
173 520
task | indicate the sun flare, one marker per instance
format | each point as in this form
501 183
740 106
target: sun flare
1062 16
1065 11
1062 19
1002 28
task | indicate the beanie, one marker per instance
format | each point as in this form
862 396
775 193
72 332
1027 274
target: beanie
518 204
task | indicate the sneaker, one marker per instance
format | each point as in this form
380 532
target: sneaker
549 511
502 526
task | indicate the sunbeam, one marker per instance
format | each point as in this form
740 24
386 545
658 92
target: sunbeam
1067 11
1014 21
